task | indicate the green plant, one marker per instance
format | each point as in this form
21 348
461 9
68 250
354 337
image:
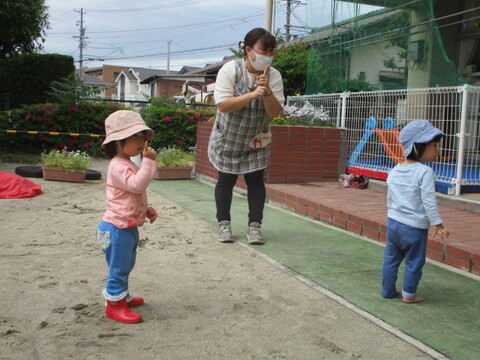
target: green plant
174 127
71 91
26 77
71 160
26 35
164 102
87 119
171 157
292 63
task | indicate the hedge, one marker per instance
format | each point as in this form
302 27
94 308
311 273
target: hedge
85 119
174 127
177 127
26 77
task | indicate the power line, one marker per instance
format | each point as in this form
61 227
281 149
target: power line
209 23
227 46
149 8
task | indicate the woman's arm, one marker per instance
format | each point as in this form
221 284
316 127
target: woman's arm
272 105
235 103
270 102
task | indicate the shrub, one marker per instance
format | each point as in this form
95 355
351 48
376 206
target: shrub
84 119
174 127
27 77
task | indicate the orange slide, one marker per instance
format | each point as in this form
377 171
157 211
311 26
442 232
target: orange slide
391 144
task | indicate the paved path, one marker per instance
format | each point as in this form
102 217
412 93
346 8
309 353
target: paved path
348 268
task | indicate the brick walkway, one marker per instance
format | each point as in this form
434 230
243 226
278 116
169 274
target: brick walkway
364 212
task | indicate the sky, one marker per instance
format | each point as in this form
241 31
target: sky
138 33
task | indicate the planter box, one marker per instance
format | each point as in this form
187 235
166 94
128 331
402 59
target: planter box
172 173
299 154
61 174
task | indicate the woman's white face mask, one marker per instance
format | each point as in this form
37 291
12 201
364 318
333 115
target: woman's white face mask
261 61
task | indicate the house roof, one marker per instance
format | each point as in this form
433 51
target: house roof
188 69
91 80
326 32
194 73
144 73
213 67
178 77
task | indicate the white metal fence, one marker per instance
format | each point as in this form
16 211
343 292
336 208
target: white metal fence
373 120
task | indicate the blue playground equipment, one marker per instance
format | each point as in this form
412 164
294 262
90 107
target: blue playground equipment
370 126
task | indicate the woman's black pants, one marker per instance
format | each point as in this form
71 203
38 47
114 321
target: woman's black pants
255 194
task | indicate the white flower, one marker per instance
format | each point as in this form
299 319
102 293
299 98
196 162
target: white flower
307 111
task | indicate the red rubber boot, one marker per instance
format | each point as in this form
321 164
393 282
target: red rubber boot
119 311
135 301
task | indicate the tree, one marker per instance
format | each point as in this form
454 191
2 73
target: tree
399 38
22 26
71 91
325 76
292 63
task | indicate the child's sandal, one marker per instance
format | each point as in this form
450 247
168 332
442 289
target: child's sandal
416 299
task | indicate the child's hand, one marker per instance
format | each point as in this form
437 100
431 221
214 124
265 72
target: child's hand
148 152
151 214
439 229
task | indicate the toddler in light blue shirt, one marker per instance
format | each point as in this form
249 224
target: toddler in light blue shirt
412 210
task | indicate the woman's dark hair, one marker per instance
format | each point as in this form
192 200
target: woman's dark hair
419 148
258 34
110 150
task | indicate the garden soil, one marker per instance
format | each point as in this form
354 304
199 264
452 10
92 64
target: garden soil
204 299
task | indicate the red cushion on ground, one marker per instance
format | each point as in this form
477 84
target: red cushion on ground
13 187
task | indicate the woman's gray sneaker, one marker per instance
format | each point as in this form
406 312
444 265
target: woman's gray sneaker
225 232
254 235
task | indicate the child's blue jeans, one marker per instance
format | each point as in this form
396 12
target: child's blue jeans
120 248
403 242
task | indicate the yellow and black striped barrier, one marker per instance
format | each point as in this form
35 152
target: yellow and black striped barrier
49 133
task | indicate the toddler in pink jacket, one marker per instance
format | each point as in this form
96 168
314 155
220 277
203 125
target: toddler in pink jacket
127 207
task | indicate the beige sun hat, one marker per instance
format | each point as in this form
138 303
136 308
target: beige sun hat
124 123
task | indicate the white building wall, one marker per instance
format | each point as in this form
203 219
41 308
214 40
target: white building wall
370 59
133 89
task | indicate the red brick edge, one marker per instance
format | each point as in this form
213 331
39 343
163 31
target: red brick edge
450 254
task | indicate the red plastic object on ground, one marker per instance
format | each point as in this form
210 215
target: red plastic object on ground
14 187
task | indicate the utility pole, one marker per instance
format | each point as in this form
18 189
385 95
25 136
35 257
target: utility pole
168 57
287 24
291 6
82 41
268 15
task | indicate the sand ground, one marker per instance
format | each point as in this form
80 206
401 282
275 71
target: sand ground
204 300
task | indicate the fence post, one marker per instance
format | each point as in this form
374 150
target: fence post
461 144
344 110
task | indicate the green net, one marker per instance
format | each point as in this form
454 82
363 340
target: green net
361 45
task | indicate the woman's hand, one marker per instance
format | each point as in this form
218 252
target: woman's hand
260 91
263 80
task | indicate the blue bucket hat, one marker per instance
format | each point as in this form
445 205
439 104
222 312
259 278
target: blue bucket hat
418 131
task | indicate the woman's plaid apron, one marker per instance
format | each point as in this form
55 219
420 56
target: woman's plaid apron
228 148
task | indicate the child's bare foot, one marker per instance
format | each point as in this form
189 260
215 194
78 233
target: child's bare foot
416 299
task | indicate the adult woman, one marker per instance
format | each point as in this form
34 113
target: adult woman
248 93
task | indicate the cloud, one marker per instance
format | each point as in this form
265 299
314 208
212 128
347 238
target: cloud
121 32
137 34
